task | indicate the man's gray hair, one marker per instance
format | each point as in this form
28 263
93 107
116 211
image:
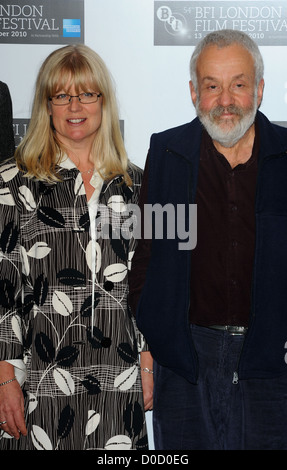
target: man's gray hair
224 38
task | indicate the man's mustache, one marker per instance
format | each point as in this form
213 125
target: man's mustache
232 109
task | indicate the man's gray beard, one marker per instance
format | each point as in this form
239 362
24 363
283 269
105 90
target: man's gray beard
231 137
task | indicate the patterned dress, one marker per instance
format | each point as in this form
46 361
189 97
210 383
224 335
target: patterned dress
64 312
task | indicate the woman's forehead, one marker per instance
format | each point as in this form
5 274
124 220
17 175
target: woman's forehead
78 85
66 80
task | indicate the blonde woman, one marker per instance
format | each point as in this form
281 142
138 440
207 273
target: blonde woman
70 378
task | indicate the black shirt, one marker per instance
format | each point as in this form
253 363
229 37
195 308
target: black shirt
222 262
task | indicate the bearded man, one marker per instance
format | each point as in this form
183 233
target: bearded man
215 317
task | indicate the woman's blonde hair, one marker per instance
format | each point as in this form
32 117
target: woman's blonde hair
40 151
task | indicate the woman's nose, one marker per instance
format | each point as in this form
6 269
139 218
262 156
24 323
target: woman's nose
75 102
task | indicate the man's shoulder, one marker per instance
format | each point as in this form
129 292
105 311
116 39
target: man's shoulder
265 123
273 137
173 132
280 127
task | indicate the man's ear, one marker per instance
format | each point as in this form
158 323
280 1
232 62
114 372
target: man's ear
260 92
193 93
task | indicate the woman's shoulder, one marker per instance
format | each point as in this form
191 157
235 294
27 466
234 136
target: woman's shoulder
9 169
136 173
12 176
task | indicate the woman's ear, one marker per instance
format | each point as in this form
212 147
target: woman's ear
49 108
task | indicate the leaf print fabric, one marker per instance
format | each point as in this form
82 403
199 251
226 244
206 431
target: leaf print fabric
64 312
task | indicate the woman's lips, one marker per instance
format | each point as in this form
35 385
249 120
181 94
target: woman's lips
76 120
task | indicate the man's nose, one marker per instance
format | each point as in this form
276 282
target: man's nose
226 97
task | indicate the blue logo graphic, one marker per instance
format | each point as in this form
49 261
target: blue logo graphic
71 28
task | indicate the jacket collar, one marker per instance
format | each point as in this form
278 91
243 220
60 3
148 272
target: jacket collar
186 142
273 138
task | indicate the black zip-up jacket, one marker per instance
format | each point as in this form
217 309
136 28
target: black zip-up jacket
163 305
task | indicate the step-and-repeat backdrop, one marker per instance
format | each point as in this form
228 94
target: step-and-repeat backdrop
146 45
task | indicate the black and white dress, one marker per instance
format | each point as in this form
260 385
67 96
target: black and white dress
64 318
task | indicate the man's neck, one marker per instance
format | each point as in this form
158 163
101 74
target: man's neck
241 151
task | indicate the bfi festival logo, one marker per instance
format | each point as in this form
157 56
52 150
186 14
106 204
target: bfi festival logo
184 23
174 23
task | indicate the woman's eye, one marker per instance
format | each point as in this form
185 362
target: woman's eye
62 96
